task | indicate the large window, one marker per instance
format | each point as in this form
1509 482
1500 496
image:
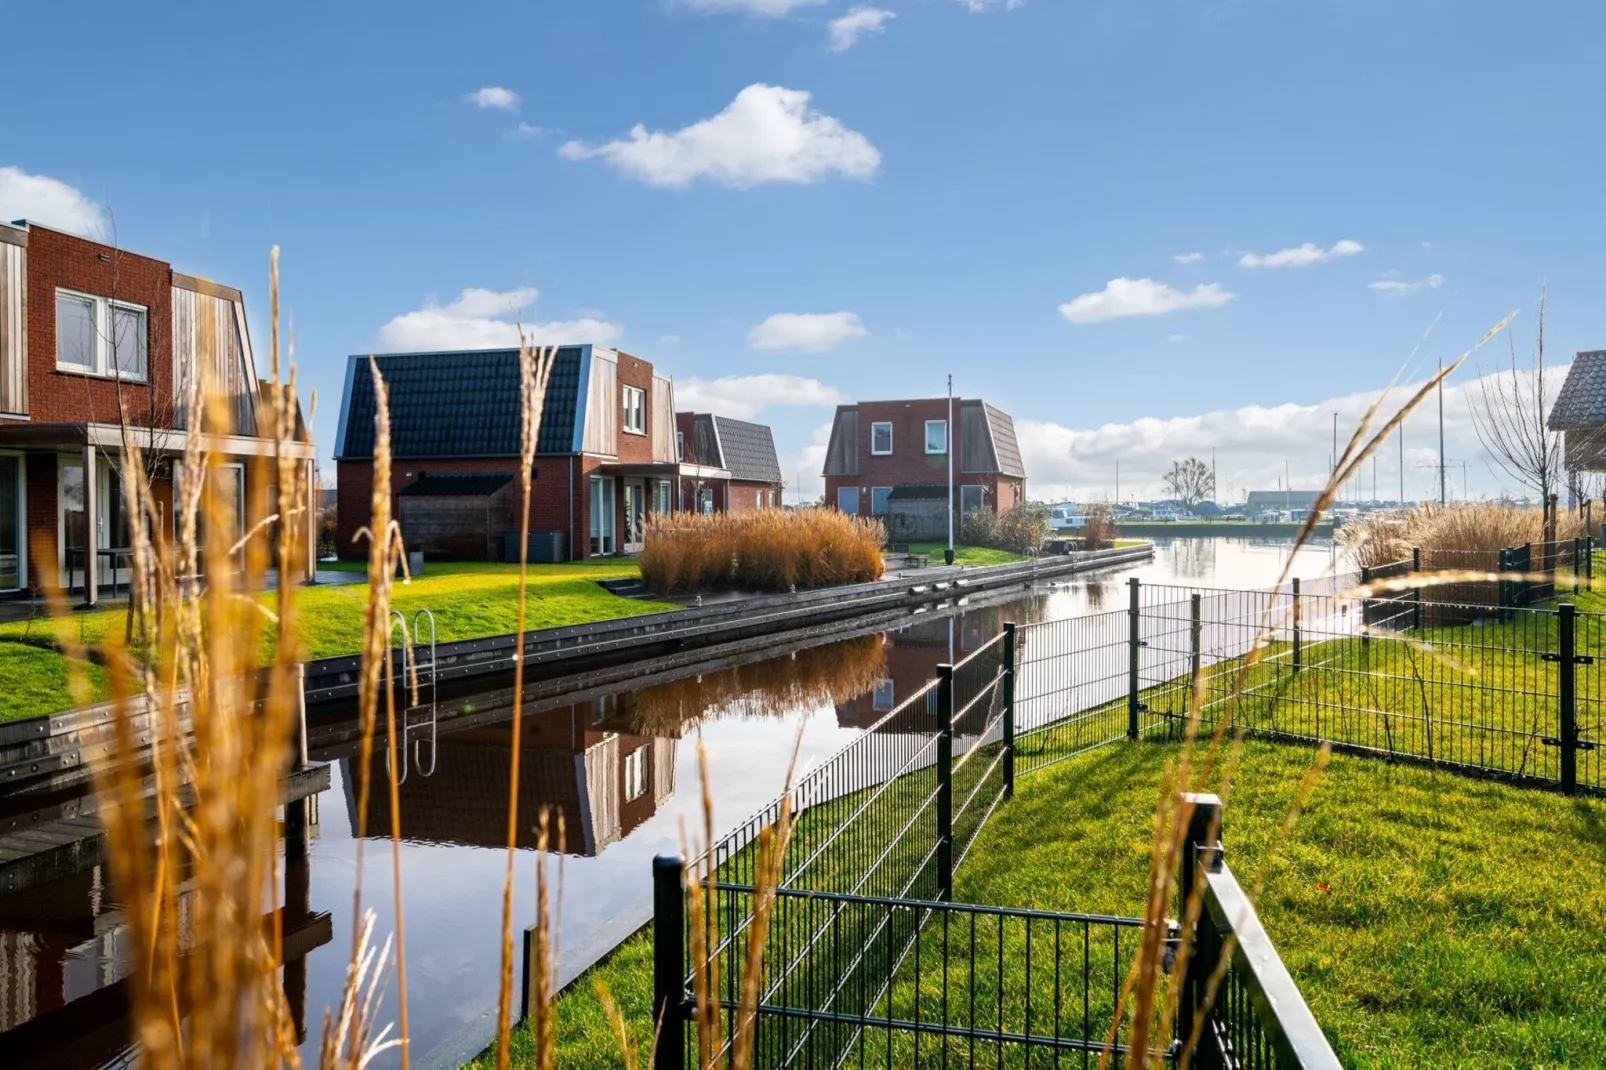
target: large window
636 773
11 525
881 439
847 499
879 496
885 695
602 518
99 336
635 410
936 436
972 499
680 445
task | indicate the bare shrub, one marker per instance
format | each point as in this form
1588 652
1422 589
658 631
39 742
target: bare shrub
1099 533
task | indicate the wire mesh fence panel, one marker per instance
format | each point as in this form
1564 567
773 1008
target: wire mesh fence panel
1590 699
857 981
978 751
1070 687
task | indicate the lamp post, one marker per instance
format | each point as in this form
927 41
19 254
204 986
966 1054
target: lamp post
948 433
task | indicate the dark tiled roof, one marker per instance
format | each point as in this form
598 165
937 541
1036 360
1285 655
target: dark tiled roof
1004 443
1582 401
458 404
749 450
918 492
438 484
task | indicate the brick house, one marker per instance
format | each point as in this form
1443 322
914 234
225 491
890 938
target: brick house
605 456
745 450
889 459
94 339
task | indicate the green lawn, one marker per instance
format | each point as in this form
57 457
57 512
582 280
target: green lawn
966 555
470 600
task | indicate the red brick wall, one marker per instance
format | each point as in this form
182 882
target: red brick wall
61 260
633 371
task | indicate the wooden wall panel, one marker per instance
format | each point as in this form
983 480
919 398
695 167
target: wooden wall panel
602 408
13 329
661 420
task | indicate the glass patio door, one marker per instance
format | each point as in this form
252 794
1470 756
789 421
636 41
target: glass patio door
635 515
10 523
602 516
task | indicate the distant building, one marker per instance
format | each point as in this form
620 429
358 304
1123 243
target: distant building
745 451
890 459
1580 413
1280 504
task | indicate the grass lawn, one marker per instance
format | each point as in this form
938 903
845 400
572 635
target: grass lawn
966 555
470 600
1430 919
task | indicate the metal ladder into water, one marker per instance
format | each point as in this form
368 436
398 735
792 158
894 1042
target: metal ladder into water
415 715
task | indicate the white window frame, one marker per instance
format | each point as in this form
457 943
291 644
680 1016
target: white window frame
635 400
888 451
840 491
884 696
888 508
941 452
981 499
680 445
100 365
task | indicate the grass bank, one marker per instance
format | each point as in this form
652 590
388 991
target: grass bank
470 600
966 555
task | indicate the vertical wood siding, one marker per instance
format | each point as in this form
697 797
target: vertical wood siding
13 329
602 408
207 333
661 420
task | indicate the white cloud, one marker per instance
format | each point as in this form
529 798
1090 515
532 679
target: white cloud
48 201
1395 287
846 30
489 319
524 130
1252 444
769 9
1187 258
767 134
801 469
1121 298
494 96
979 6
811 332
1175 338
1301 255
744 396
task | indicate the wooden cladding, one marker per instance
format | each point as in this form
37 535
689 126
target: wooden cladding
13 329
602 408
210 340
661 421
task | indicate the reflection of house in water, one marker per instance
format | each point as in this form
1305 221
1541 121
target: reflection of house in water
604 783
912 657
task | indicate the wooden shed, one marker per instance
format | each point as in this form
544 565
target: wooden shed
459 516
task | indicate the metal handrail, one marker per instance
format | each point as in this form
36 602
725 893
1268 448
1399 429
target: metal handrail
434 686
399 621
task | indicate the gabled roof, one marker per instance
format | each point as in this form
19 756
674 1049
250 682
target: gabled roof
462 403
1582 400
456 484
748 449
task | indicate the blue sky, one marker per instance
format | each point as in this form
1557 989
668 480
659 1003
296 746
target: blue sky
998 189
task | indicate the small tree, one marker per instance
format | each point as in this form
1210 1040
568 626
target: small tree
1509 415
1190 481
1099 532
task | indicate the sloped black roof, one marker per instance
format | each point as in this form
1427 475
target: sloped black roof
749 450
444 484
459 404
1582 401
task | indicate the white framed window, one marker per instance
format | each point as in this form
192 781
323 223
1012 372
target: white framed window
936 436
680 445
879 499
847 499
635 400
100 336
636 773
660 501
881 439
884 697
972 499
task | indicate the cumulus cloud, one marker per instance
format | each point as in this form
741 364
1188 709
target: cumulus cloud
1187 258
979 6
745 396
1399 287
524 130
767 134
810 332
769 9
1301 255
801 468
489 319
1252 444
494 96
50 202
1122 298
845 31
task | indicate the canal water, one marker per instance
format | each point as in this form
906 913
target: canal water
620 766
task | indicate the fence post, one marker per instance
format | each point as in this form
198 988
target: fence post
1366 606
1009 709
668 961
1203 844
1566 696
1416 596
1196 633
1134 641
1528 569
945 783
1296 625
1578 561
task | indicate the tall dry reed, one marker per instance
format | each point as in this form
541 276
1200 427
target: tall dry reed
767 550
1443 531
